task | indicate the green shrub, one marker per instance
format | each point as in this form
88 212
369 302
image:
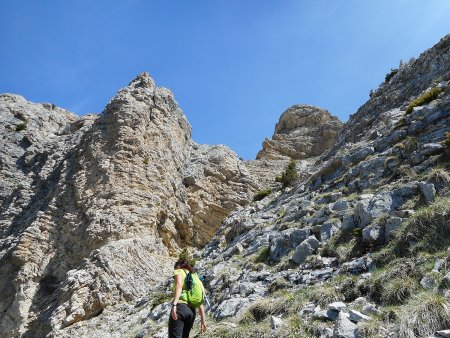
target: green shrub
159 297
261 194
22 126
425 314
184 254
400 123
263 255
390 75
426 97
289 175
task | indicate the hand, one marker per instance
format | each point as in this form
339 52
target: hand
203 327
173 313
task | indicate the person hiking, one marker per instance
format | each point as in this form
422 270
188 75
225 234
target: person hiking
182 314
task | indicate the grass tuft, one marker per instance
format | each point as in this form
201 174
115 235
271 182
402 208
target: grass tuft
426 97
425 314
427 230
262 256
21 126
261 194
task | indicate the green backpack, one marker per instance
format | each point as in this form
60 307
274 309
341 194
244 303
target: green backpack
194 292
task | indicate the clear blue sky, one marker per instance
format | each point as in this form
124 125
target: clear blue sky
233 65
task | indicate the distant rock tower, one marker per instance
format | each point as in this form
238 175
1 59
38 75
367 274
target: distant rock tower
303 131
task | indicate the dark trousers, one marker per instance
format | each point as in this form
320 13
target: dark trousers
181 327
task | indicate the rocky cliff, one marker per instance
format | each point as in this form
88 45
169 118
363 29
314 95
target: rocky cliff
93 209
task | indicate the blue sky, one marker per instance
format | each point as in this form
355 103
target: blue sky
234 66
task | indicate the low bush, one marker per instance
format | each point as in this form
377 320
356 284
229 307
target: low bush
425 98
262 256
261 194
289 176
21 126
390 75
425 314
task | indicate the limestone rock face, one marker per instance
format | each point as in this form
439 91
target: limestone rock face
302 132
92 207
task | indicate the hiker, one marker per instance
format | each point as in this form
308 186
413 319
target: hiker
182 315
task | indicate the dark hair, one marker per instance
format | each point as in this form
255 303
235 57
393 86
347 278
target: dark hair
183 264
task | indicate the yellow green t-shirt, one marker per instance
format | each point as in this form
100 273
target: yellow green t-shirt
183 273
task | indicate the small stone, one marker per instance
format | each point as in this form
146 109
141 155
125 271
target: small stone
305 249
276 322
428 191
370 309
338 306
446 280
357 316
444 333
326 333
344 327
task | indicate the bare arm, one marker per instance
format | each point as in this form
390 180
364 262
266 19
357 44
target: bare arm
178 289
201 310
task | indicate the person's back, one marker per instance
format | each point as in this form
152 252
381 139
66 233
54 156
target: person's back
182 315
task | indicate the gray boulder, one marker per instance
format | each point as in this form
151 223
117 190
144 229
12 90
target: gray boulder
344 327
306 248
428 191
328 229
288 240
373 234
230 307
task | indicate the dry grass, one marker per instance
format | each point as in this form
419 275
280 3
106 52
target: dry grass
395 283
427 230
425 314
426 97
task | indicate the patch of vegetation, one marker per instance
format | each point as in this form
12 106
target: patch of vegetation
447 140
427 230
344 245
263 308
349 287
390 75
426 313
289 176
159 297
425 98
400 123
371 329
22 126
262 256
278 284
184 254
326 294
395 283
146 160
261 194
